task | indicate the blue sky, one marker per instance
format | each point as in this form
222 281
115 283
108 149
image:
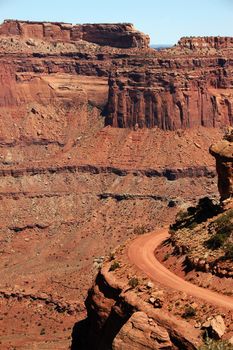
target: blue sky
164 20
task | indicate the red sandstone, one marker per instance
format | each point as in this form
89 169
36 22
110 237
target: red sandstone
72 187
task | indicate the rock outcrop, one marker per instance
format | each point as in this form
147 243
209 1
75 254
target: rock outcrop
141 332
172 93
207 42
116 35
119 319
171 89
215 327
69 183
223 153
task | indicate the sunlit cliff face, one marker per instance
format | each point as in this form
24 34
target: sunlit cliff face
223 153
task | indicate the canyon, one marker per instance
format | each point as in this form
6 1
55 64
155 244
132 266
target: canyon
101 138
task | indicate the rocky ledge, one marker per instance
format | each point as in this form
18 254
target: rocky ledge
119 319
126 310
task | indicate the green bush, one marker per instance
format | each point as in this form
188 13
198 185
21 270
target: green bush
42 332
204 210
115 265
166 256
223 227
229 251
111 256
140 230
90 107
189 312
216 241
216 345
133 282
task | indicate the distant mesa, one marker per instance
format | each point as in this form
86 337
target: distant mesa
186 86
121 35
216 42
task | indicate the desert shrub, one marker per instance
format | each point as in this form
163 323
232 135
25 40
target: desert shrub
166 256
183 214
140 230
216 241
189 312
111 256
90 107
115 265
193 225
224 223
204 210
133 282
42 332
223 228
211 344
229 251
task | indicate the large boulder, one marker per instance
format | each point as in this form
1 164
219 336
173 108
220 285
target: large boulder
215 327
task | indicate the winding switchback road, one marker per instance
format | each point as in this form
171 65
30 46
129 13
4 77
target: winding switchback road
141 253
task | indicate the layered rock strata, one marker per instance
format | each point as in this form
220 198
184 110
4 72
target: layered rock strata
176 88
172 93
207 42
116 35
71 187
119 319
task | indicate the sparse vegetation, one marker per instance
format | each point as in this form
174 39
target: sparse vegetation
223 229
90 107
133 282
211 344
229 251
111 256
213 231
216 241
189 312
166 256
115 265
195 215
42 332
140 230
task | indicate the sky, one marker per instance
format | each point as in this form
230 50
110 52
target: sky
166 21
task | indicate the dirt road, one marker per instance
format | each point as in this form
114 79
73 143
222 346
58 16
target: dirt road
141 253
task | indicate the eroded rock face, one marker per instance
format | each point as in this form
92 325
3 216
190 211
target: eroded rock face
120 320
196 43
71 182
223 153
177 88
169 97
141 332
116 35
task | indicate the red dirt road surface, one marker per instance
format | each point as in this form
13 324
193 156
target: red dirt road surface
141 253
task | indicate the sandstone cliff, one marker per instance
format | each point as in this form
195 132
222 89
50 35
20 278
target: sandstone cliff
72 186
164 95
223 153
183 87
116 35
118 318
170 90
208 42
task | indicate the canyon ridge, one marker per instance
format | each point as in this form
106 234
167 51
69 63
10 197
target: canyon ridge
102 140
